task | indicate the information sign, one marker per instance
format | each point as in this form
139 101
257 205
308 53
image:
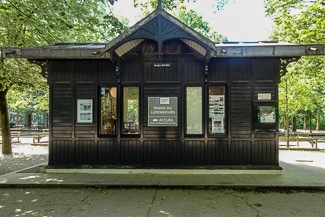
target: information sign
266 114
162 111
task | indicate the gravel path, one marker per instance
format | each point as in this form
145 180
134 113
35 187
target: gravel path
24 155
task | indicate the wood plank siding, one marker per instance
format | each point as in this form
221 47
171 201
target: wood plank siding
243 144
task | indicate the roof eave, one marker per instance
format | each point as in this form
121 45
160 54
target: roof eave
274 50
59 53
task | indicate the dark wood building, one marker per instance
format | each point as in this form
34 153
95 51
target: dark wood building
164 96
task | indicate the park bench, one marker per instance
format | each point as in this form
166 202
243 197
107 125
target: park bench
17 134
312 140
318 135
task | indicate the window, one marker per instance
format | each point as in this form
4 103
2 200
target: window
108 110
130 110
216 110
194 110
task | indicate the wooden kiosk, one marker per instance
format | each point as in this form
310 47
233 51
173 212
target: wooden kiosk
164 96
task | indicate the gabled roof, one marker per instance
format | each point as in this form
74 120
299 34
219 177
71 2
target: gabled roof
160 26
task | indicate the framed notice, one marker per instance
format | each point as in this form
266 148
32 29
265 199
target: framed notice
85 111
266 114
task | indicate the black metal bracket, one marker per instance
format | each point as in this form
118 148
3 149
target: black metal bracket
42 64
284 62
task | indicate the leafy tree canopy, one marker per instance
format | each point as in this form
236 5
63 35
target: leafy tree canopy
170 5
26 23
297 21
300 22
31 23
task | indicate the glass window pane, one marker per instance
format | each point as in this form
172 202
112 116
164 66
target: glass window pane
216 110
130 110
194 110
108 110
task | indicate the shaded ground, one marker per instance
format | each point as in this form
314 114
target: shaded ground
153 202
23 155
19 161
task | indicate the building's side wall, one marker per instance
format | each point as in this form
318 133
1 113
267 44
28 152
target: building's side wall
245 143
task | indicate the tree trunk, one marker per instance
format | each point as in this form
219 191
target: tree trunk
318 122
305 123
310 122
28 119
4 123
294 124
17 118
287 129
286 116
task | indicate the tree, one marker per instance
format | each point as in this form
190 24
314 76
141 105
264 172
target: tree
24 99
33 23
14 74
171 5
196 22
301 22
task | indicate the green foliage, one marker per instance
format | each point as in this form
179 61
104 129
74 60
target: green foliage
196 22
296 21
173 5
302 89
35 23
31 23
148 6
133 110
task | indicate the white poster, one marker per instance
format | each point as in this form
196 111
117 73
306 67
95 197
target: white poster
85 111
216 113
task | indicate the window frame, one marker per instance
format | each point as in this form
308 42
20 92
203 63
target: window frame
116 115
139 113
202 112
225 109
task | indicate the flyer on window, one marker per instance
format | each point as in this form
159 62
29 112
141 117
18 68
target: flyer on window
216 113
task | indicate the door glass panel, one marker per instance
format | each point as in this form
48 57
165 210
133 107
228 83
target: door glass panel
194 110
108 110
130 110
216 110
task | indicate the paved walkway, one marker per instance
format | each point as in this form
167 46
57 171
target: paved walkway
292 176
